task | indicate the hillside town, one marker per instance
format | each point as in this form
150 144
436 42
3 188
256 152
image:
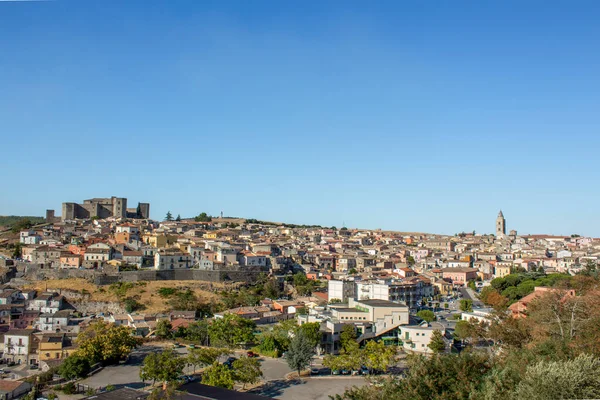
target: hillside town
379 283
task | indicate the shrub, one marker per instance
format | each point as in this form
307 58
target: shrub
69 388
167 292
132 305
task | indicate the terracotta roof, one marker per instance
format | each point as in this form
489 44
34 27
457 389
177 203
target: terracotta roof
9 386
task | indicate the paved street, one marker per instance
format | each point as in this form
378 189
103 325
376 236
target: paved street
309 388
467 293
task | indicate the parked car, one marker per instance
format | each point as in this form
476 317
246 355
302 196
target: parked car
251 354
315 371
335 372
345 372
34 366
229 362
192 346
364 370
177 345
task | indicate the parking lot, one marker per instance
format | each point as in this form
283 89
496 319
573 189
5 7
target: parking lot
319 388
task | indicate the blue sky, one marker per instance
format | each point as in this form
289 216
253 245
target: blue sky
415 116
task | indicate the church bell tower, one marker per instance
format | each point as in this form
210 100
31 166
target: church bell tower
500 225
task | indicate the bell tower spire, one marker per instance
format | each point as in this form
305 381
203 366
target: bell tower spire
500 225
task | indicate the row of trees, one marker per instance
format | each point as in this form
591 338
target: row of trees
202 217
229 331
167 367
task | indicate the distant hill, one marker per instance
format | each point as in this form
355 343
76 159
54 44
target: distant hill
8 221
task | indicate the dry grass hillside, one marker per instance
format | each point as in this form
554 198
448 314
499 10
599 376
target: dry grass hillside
147 291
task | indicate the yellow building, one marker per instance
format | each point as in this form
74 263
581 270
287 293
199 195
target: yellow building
159 241
501 271
212 235
55 346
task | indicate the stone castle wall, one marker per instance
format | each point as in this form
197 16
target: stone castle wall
32 271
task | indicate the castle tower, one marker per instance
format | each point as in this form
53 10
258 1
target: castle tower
500 225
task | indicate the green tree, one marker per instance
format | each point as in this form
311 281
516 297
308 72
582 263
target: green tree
271 289
166 366
18 250
300 279
203 217
169 216
466 305
130 304
283 332
426 315
410 260
246 370
218 375
267 343
197 331
178 218
106 343
346 361
352 271
231 330
184 300
300 352
437 343
571 379
378 356
21 225
205 356
464 330
312 331
74 367
164 329
348 338
472 285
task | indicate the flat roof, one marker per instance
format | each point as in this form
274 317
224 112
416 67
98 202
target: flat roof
348 309
380 303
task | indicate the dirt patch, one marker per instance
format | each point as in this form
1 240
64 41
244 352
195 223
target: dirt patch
146 290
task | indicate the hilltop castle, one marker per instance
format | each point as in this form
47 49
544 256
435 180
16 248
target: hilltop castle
104 208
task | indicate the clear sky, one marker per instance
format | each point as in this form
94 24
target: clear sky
406 115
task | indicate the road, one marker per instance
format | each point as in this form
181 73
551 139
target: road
467 293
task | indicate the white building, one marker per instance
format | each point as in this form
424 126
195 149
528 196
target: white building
478 315
410 291
252 259
17 346
341 290
29 237
417 337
